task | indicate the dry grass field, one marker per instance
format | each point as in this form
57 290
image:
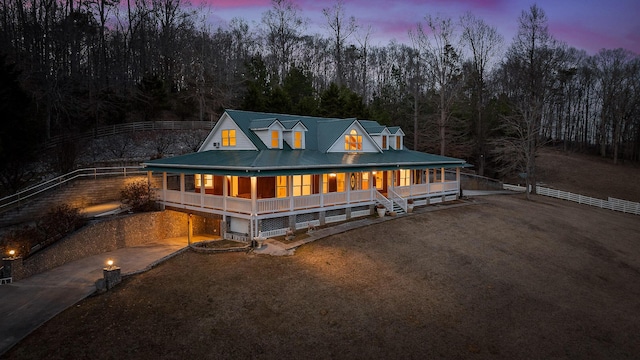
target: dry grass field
500 278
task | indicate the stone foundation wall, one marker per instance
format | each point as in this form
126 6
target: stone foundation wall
109 235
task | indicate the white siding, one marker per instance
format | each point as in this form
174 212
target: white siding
289 135
368 144
215 137
265 134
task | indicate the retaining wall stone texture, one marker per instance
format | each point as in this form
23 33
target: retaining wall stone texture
108 235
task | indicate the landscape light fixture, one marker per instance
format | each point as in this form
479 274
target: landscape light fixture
12 253
109 264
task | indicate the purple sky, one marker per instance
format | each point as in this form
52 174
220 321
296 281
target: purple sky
585 24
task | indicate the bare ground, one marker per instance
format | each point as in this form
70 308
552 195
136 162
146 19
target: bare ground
501 278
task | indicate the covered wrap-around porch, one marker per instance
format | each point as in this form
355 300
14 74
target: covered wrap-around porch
274 204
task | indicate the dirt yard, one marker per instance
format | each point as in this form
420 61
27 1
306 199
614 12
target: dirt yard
500 278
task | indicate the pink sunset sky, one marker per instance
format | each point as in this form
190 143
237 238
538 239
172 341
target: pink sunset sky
584 24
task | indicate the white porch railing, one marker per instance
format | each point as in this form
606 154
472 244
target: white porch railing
267 206
388 204
396 198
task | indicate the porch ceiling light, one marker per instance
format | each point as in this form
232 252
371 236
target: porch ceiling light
332 174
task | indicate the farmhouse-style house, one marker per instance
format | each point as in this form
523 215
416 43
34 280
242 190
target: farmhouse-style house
261 174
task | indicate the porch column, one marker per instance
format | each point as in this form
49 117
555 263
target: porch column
442 176
182 188
372 186
164 185
202 189
290 191
225 192
348 185
458 180
149 177
412 181
254 198
321 190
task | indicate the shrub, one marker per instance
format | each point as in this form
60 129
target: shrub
58 223
53 226
138 196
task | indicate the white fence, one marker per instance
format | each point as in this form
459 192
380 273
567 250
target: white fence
19 197
131 127
614 204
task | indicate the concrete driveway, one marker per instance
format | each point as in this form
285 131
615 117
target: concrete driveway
29 303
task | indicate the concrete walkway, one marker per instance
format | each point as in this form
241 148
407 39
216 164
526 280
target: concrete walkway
27 304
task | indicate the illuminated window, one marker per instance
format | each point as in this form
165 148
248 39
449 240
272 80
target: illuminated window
365 181
353 141
233 185
297 140
228 137
384 142
208 181
404 177
340 182
333 182
301 185
275 139
281 186
398 142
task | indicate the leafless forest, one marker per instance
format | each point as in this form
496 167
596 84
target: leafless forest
458 88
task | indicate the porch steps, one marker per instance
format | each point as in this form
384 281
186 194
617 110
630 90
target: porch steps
397 209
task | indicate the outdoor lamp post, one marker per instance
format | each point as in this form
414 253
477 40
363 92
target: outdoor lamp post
111 274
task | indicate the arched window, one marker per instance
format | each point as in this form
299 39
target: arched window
353 141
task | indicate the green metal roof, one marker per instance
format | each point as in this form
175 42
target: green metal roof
279 162
321 134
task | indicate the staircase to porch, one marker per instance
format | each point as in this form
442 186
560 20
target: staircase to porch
392 205
398 209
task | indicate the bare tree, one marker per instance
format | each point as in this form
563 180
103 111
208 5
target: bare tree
530 68
342 29
284 27
441 52
484 42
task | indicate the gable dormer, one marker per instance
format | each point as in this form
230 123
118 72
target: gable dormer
354 139
294 134
270 131
396 138
227 135
379 133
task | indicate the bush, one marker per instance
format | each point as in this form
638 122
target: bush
53 226
58 222
138 196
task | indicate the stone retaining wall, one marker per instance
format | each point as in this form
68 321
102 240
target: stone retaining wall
111 234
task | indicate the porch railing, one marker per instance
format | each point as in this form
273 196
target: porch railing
293 203
396 198
20 197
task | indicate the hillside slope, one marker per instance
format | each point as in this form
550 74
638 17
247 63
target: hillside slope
588 175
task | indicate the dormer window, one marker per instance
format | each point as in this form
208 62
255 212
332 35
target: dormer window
384 142
229 137
353 141
398 142
275 139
